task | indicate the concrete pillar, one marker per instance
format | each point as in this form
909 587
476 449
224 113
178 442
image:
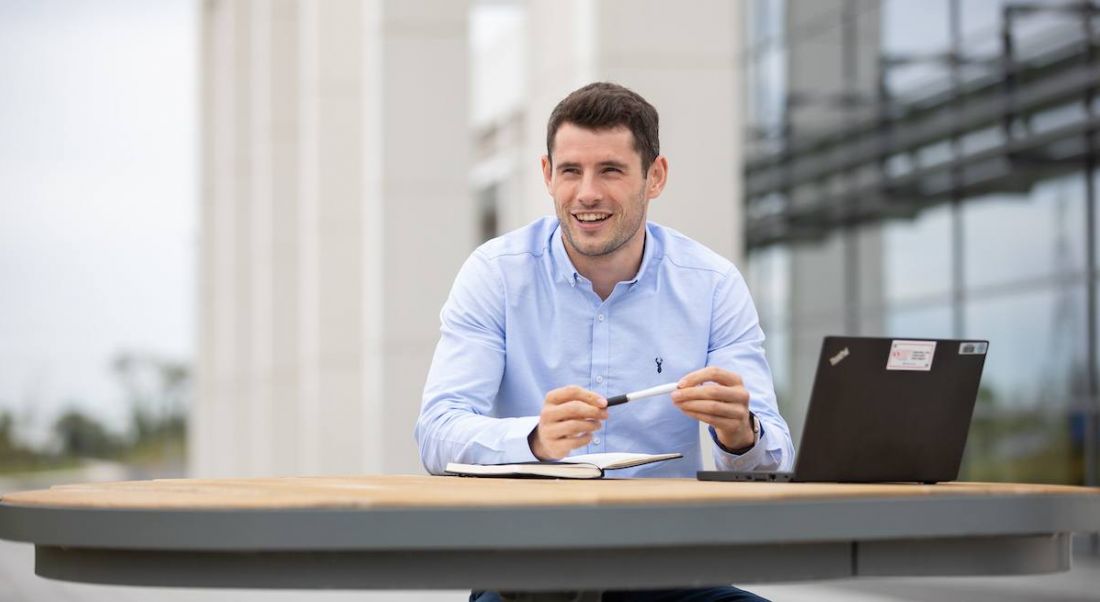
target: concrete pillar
223 360
282 287
330 155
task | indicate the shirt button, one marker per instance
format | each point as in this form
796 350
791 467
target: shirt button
599 317
599 379
595 441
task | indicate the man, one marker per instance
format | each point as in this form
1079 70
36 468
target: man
544 323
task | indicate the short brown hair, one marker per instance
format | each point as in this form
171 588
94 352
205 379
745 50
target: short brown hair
602 106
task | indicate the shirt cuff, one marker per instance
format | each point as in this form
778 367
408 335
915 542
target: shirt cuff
747 461
515 446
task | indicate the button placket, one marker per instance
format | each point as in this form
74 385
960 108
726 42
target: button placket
600 355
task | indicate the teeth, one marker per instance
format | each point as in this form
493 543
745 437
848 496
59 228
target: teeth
591 217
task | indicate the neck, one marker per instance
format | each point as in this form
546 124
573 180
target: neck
605 271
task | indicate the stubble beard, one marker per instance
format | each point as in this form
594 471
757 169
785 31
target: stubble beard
619 236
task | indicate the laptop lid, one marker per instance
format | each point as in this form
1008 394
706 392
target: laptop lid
885 409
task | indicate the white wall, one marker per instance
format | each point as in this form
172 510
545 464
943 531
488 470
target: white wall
335 211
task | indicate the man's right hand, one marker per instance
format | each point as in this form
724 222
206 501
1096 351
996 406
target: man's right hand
569 417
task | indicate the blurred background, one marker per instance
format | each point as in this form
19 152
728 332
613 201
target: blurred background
227 227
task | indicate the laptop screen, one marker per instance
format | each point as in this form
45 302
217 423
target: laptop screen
885 409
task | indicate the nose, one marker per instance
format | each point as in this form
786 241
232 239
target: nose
588 193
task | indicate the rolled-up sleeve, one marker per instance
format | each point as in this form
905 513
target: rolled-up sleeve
737 344
456 422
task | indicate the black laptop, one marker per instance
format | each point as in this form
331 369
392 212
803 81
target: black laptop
884 410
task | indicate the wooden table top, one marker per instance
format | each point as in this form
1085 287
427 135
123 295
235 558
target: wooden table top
413 491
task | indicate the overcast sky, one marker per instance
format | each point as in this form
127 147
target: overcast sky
98 184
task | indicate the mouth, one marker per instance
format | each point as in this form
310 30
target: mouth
590 220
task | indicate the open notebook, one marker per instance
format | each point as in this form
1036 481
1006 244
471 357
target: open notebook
585 466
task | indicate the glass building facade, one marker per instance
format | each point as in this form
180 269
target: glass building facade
927 168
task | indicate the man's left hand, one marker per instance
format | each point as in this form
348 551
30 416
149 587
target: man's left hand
719 398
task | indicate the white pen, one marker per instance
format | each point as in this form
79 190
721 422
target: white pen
650 392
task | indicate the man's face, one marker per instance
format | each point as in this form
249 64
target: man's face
600 192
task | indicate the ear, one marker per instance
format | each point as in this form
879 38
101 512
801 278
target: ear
657 177
547 171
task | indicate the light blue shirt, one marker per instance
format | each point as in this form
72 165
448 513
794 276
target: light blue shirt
520 321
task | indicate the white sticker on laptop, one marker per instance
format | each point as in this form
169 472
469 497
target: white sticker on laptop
911 355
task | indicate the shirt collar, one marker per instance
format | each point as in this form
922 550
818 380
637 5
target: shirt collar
567 272
648 253
562 264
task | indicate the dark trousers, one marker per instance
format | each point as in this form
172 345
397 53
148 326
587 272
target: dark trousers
710 594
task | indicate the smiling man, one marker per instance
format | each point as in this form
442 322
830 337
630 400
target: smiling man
544 323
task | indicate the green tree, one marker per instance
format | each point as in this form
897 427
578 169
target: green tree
83 436
157 389
7 445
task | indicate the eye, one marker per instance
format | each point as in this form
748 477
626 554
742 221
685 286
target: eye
612 170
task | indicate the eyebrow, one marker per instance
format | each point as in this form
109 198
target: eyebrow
572 164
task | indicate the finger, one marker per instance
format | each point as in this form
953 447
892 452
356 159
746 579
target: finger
716 409
570 429
737 395
562 447
716 422
573 410
711 374
575 393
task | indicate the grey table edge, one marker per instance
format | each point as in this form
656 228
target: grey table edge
557 547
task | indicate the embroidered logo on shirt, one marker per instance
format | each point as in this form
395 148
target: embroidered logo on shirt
659 362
